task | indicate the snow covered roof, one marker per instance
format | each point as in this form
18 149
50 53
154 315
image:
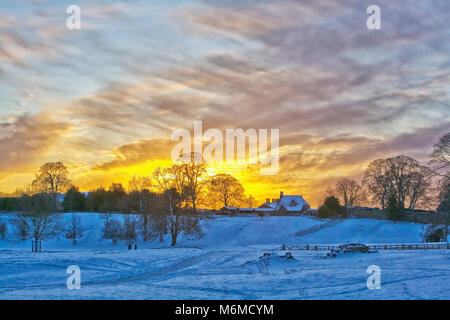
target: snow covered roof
272 204
289 203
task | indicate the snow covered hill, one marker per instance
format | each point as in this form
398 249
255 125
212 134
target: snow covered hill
245 232
226 264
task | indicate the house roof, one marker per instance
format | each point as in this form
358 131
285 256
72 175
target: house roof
290 203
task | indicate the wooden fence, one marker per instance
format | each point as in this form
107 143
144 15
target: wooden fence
318 227
403 246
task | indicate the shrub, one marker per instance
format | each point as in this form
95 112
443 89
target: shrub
435 234
74 229
332 203
74 200
323 212
331 208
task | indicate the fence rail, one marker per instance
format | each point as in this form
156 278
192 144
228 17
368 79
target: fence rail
402 246
318 227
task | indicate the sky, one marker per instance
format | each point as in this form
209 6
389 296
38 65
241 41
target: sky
105 99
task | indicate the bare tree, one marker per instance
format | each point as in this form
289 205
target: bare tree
244 201
28 190
377 183
52 178
150 224
441 154
348 191
226 189
139 184
158 223
444 197
401 177
112 229
172 183
441 165
193 172
36 220
444 202
130 227
74 228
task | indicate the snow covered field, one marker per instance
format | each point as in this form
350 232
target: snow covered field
225 264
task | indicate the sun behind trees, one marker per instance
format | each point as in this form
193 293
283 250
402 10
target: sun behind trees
225 190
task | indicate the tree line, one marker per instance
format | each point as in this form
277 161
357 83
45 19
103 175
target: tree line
166 202
396 185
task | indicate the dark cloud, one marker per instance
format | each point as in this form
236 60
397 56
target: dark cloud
26 139
341 151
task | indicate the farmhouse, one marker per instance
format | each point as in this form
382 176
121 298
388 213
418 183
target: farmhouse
293 204
288 204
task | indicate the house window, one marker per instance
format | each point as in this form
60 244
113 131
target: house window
293 203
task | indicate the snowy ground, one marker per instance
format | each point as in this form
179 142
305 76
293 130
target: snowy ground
225 264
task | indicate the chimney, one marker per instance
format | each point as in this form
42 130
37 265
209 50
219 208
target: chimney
274 200
281 194
267 200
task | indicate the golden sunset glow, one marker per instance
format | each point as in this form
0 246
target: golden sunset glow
105 99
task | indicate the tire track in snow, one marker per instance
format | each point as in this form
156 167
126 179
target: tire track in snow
154 273
131 278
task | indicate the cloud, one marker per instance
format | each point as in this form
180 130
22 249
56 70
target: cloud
340 94
27 139
139 152
319 62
